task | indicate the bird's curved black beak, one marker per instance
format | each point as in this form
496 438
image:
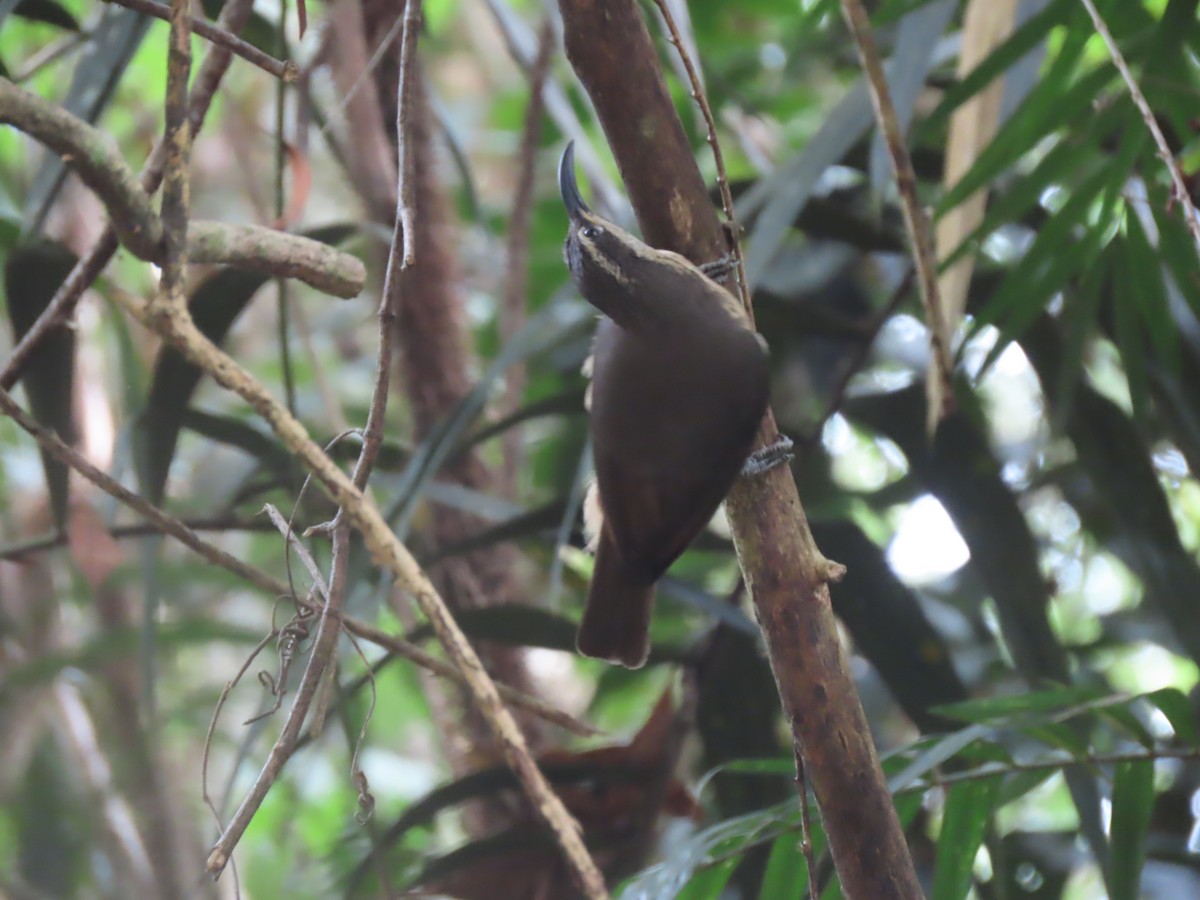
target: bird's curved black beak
568 186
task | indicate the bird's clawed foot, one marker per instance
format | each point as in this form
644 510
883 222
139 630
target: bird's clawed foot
766 458
720 269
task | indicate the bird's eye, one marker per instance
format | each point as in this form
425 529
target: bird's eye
590 231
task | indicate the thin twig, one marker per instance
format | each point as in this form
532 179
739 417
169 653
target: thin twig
25 549
320 659
916 220
806 843
282 304
164 523
1182 194
401 256
366 802
516 275
1061 760
700 96
216 716
387 550
362 78
176 187
407 188
50 54
62 305
339 569
286 70
284 527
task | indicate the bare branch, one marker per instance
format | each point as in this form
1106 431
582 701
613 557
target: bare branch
91 153
1182 194
166 524
387 550
284 69
177 139
62 305
516 275
407 211
260 249
916 220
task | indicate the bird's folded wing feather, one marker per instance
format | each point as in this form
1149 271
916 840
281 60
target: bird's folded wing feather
653 516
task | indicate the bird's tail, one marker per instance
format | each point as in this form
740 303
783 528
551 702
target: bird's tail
616 620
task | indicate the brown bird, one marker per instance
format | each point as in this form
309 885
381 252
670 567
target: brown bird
679 387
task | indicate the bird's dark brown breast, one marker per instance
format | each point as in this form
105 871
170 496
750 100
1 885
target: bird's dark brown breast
674 414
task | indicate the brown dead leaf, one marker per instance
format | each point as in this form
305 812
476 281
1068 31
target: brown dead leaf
302 177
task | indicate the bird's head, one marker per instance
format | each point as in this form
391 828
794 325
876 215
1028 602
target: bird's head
606 262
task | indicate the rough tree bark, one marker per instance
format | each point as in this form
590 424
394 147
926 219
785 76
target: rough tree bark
610 48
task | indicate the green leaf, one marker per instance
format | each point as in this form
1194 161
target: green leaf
215 305
1017 785
242 435
943 749
1025 38
1055 257
1124 718
1133 802
1173 704
998 709
1060 167
114 40
33 272
1155 308
707 884
968 808
723 838
786 874
1079 320
1047 109
1128 334
48 11
1176 247
1058 734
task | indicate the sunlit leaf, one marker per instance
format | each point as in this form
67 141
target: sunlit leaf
968 809
1132 804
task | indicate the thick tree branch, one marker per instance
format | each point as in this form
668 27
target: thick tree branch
611 50
278 253
91 153
61 307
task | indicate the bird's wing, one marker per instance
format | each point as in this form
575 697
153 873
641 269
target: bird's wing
653 516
